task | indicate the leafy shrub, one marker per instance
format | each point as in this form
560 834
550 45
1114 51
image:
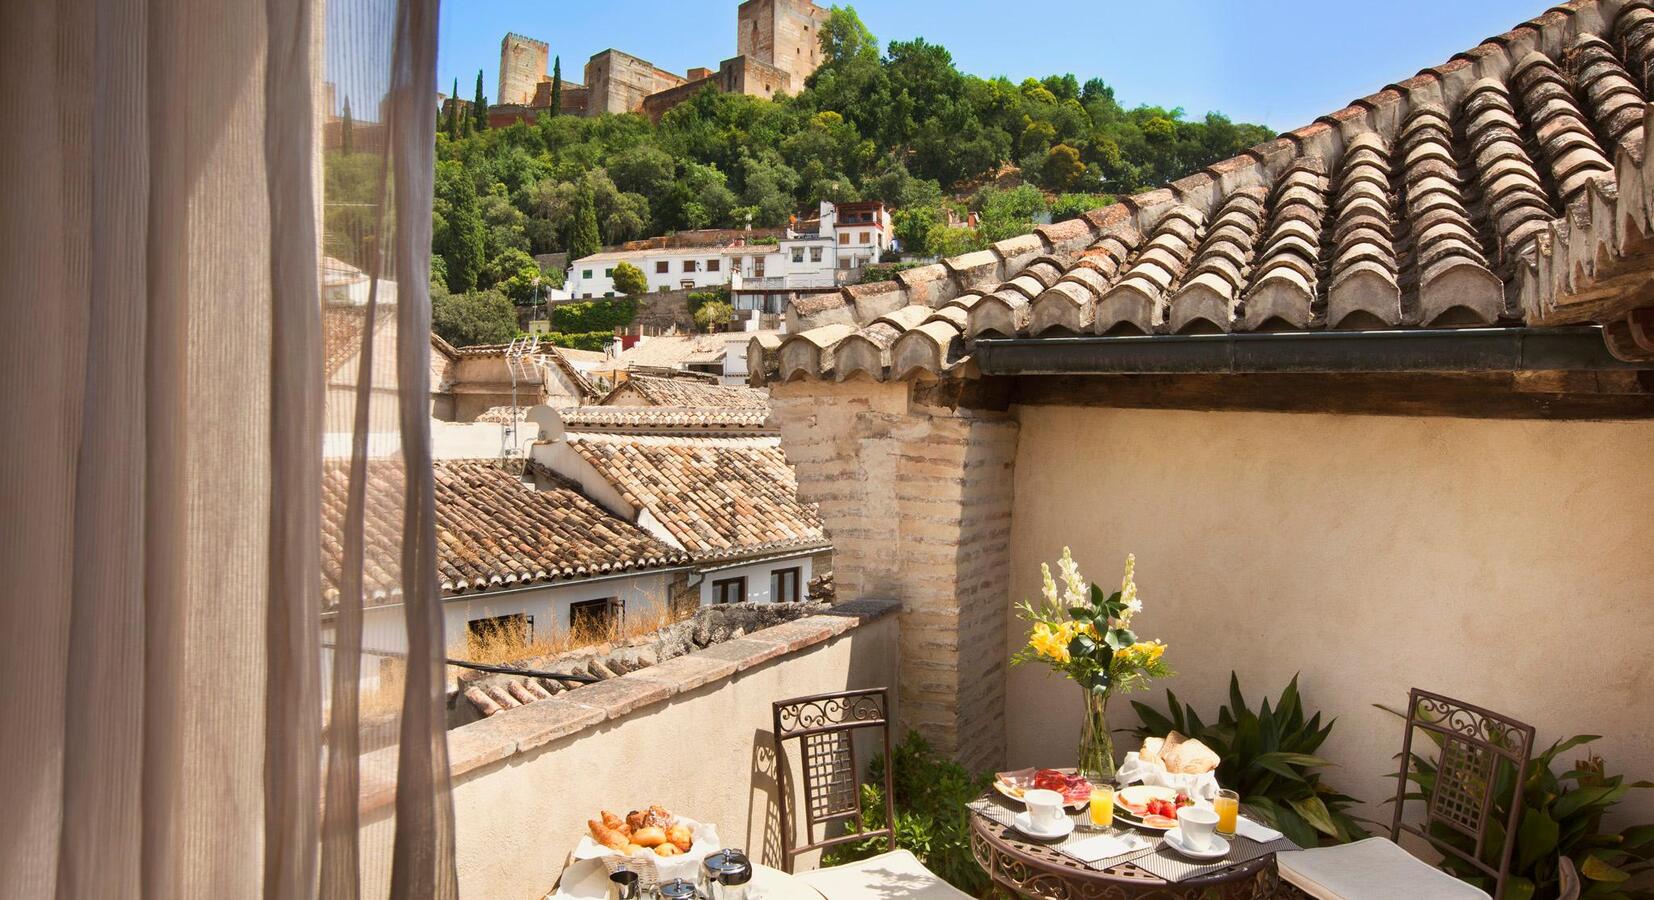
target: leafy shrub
585 340
478 317
1072 206
697 299
931 818
594 315
884 271
713 314
629 280
1268 757
1557 820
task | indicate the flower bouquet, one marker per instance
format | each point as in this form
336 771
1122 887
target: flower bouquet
1087 636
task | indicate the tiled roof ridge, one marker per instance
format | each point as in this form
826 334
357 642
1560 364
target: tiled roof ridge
739 420
1094 273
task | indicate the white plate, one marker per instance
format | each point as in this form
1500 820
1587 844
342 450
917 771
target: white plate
1217 849
1023 823
1006 790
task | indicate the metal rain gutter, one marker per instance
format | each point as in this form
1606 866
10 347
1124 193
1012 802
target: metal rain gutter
1514 349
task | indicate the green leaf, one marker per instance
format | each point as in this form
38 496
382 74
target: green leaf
1535 838
1079 613
1315 813
1573 801
1598 870
1637 836
1518 888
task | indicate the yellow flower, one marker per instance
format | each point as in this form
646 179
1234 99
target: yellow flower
1050 642
1142 652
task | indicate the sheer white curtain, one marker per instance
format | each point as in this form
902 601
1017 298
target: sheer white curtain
179 373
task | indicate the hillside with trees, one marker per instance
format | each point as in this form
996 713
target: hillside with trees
904 126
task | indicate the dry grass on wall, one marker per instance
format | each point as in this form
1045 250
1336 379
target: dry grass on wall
511 645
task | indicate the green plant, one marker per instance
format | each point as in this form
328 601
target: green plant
594 315
1268 756
932 820
1557 820
713 314
629 280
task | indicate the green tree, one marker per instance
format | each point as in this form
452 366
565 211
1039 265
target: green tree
480 317
459 235
629 280
583 238
346 144
453 113
1062 169
844 38
556 86
713 315
479 108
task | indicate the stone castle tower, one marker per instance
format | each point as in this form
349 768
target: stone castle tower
522 66
783 34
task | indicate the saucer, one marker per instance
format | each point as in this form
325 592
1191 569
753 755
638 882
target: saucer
1217 849
1024 824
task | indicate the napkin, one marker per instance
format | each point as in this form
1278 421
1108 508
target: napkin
1253 831
1104 846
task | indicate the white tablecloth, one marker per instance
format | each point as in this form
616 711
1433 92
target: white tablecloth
588 880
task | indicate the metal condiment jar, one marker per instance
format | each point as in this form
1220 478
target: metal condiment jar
677 889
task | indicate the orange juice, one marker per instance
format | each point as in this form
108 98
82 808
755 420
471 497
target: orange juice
1102 806
1227 806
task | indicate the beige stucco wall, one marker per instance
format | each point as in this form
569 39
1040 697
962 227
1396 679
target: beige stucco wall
1507 563
705 753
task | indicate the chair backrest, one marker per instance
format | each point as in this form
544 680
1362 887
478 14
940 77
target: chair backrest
824 726
1481 759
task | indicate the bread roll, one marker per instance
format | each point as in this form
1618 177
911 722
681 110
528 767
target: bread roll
649 837
1150 752
667 849
1191 758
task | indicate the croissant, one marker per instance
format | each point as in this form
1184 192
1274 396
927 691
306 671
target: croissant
679 836
607 836
616 822
649 837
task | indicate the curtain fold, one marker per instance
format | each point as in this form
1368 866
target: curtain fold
215 223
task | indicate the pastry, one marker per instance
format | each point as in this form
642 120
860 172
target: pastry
616 822
667 849
679 836
608 837
649 837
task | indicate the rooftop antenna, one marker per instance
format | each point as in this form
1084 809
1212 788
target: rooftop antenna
520 363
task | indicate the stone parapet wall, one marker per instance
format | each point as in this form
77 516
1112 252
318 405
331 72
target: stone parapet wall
917 501
692 734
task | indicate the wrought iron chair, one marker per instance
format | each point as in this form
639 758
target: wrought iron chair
1479 752
824 728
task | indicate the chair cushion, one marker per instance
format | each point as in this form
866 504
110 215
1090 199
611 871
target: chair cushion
1373 869
894 874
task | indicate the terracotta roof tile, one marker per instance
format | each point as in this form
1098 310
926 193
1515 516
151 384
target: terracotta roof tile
719 496
493 531
688 392
1496 188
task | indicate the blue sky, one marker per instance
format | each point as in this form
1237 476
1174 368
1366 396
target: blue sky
1277 62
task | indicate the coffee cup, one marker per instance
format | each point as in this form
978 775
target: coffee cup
1197 824
1044 808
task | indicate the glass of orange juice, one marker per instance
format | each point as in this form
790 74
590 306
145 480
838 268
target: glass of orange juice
1102 805
1227 806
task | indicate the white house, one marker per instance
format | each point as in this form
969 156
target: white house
817 256
528 560
711 483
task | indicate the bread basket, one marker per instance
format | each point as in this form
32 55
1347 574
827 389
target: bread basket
652 870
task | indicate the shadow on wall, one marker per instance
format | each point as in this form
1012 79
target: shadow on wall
769 778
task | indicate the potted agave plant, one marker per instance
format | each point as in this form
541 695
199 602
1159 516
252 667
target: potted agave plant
1087 636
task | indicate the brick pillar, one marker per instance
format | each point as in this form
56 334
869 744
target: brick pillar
915 490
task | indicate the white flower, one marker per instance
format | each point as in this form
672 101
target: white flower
1128 588
1074 587
1049 588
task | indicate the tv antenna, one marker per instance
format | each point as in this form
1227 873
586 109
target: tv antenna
521 357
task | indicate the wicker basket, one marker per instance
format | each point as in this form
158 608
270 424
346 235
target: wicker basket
648 874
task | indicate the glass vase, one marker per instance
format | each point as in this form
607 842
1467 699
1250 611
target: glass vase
1096 757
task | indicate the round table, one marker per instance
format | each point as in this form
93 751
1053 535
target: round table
587 879
1038 870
